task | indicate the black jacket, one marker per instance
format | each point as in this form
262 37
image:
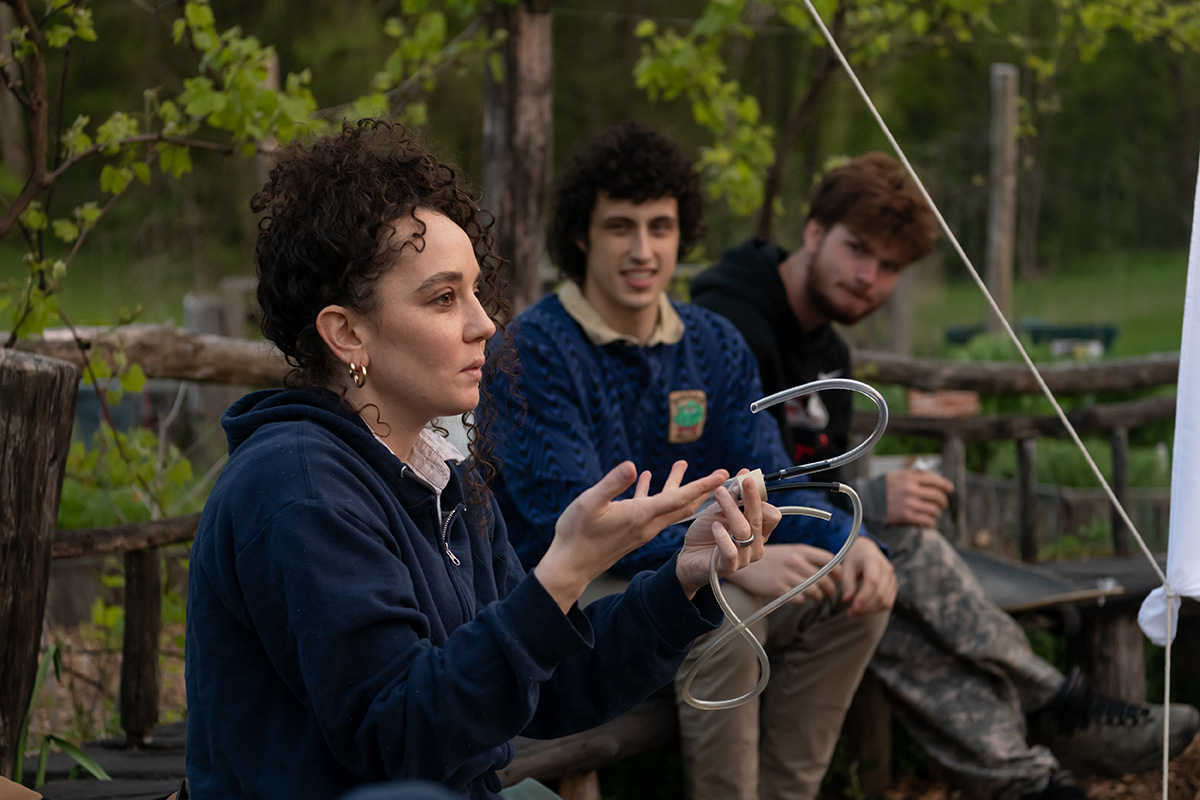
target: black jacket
745 287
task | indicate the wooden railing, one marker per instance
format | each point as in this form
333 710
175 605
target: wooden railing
1113 420
165 352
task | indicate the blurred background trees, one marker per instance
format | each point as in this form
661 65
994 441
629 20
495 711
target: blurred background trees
1110 94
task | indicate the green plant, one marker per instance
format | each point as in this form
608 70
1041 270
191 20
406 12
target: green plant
51 658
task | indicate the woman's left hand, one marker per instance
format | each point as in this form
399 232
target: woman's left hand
596 529
751 525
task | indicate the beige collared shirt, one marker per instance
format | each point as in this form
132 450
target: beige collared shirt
668 328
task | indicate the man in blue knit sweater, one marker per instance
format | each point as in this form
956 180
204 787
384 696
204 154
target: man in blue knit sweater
612 369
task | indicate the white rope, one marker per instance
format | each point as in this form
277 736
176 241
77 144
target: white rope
983 287
1036 374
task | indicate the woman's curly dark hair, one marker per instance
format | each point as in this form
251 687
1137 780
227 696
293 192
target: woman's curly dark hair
628 161
325 238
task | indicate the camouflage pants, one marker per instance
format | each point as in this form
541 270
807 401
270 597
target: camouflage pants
959 671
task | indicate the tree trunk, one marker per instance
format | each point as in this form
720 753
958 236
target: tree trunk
12 129
518 141
797 125
37 395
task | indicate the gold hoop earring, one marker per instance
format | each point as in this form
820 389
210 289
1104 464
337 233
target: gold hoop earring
358 374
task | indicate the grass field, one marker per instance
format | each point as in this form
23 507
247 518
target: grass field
103 288
1140 292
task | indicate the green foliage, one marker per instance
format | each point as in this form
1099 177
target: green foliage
1093 540
231 93
125 477
227 105
1060 463
693 66
227 96
424 46
1050 647
51 658
750 73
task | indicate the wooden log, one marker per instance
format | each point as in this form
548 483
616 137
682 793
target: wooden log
139 658
166 352
1027 481
648 725
1010 377
580 786
37 395
124 538
1119 440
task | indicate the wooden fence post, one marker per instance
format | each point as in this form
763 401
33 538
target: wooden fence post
139 655
1119 441
37 395
954 469
1027 480
1003 190
868 732
1112 651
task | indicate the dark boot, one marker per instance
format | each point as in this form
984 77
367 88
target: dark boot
1062 786
1091 732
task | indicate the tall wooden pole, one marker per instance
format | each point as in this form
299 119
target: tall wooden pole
37 408
518 143
1002 202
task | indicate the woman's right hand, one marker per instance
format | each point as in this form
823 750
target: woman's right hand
738 534
596 529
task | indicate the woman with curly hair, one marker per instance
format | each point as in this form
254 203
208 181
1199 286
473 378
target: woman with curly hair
355 611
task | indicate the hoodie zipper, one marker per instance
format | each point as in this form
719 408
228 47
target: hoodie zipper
408 472
445 535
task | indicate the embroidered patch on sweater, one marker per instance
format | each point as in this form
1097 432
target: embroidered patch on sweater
688 410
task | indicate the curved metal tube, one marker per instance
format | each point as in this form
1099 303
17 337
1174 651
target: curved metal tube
742 627
816 386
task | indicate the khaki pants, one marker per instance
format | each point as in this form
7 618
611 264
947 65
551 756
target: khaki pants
777 746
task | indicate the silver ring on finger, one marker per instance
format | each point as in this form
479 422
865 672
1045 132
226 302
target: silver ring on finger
744 542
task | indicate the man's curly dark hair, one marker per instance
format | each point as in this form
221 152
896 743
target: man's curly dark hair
325 238
628 161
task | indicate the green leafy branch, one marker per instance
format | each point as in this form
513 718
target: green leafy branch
744 164
51 658
228 106
228 97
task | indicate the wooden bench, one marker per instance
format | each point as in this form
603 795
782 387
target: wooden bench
171 354
1098 621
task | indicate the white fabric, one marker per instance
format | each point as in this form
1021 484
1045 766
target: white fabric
1183 549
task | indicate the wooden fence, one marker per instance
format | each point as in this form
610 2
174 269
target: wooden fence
165 352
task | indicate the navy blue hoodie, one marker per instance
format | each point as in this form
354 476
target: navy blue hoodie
338 634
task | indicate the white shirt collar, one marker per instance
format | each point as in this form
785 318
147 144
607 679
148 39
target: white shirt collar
428 459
